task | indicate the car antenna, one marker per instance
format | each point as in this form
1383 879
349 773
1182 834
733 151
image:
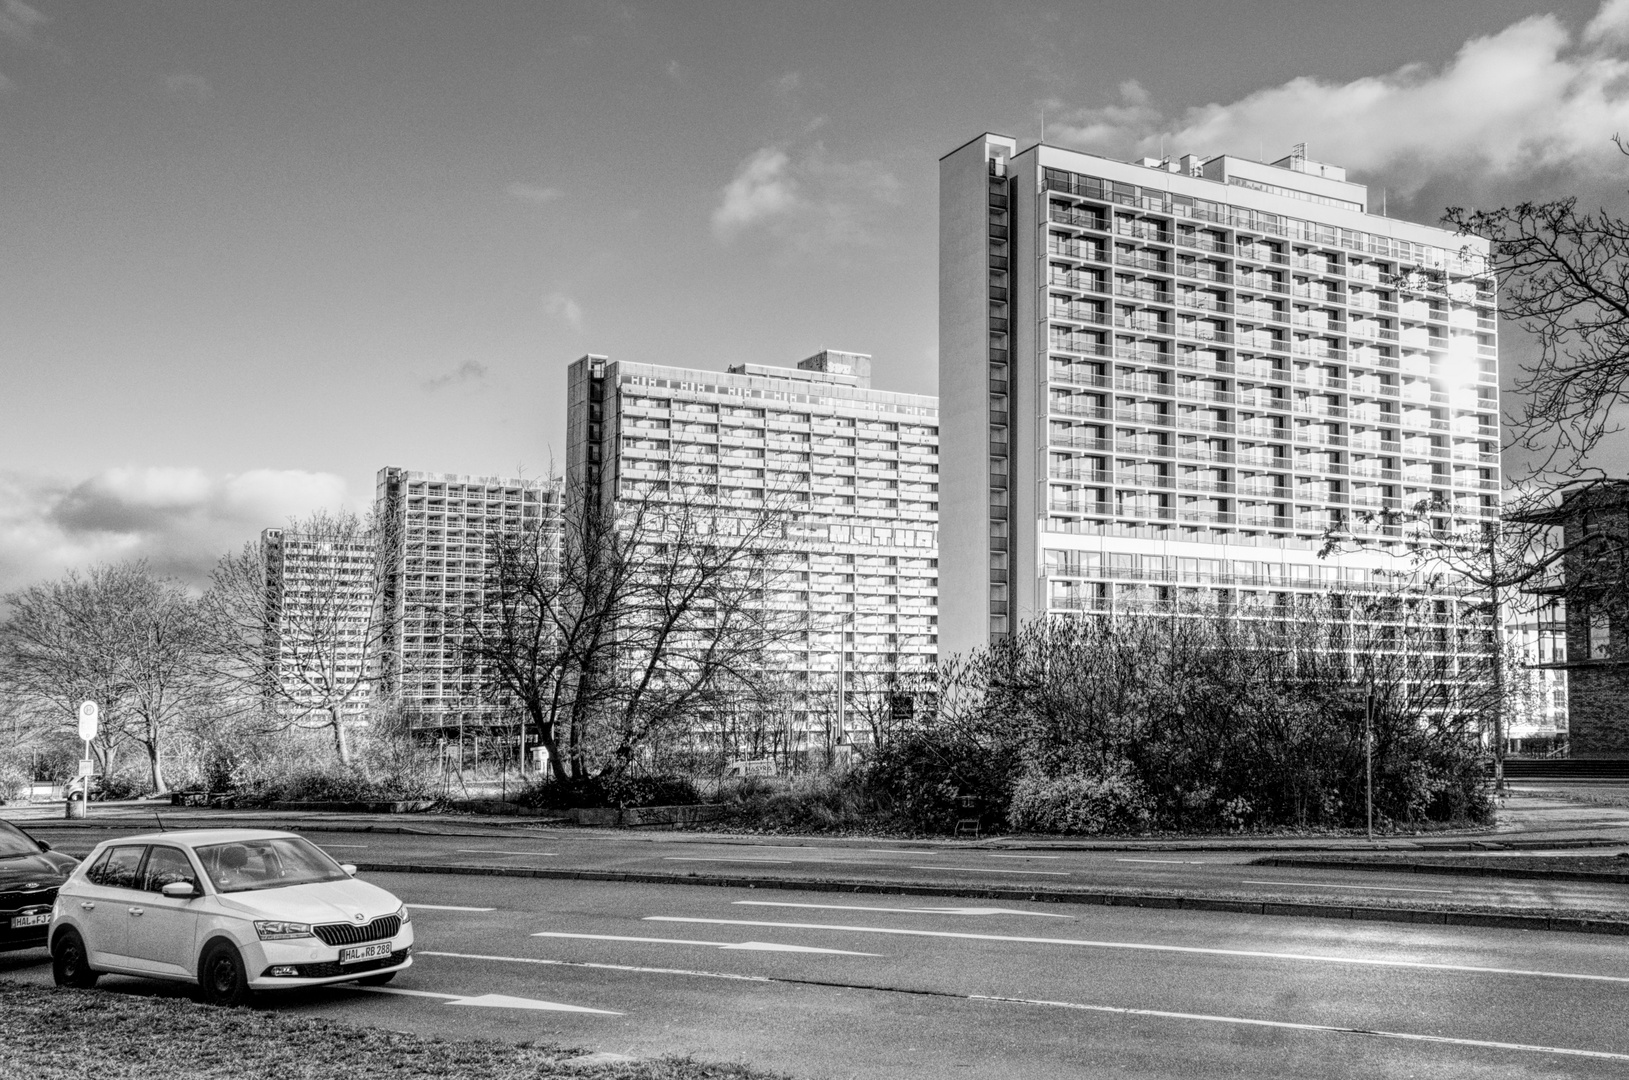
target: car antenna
159 820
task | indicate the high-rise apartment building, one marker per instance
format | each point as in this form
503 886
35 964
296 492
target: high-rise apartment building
439 526
1170 381
322 624
854 468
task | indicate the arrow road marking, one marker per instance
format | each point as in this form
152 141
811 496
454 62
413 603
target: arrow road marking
906 910
1357 961
488 1001
743 946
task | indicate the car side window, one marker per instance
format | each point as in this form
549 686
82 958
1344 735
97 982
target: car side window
117 867
165 866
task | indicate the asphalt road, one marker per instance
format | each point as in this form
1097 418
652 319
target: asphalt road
832 985
1226 873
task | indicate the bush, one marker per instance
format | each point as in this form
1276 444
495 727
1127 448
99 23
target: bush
832 802
1078 803
600 791
328 785
923 778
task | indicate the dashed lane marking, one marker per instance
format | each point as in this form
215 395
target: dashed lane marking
906 911
1333 885
1285 1025
1170 862
993 855
600 967
742 946
1135 946
446 907
991 870
699 858
495 851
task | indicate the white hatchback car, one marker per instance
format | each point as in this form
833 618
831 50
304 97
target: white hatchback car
233 910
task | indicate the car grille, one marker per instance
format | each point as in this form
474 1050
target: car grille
331 968
339 933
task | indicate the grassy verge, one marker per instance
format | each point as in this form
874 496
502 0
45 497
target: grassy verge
50 1034
1604 866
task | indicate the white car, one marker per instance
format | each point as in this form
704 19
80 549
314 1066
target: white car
233 910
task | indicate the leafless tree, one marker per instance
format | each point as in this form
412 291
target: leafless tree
297 622
623 630
117 636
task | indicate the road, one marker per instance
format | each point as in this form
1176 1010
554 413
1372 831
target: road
1225 873
826 985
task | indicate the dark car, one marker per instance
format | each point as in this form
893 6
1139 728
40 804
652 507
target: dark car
30 874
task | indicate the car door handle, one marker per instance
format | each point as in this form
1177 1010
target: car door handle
88 906
135 911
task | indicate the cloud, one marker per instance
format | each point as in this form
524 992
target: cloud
1532 100
178 519
18 22
468 371
565 309
532 193
183 85
808 200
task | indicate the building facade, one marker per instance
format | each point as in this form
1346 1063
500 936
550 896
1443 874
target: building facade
322 622
855 469
440 525
1172 382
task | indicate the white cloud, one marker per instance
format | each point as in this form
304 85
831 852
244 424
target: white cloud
564 308
18 22
809 201
468 371
179 519
1526 101
184 85
532 193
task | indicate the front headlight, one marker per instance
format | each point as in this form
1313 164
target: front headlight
276 930
403 915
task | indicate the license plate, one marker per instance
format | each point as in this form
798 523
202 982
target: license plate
364 952
19 921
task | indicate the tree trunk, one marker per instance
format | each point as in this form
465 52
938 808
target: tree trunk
154 758
341 747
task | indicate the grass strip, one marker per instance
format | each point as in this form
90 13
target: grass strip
1603 869
52 1034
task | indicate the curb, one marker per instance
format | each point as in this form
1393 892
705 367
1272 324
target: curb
1529 873
1558 923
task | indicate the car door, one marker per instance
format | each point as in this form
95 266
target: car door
102 904
163 928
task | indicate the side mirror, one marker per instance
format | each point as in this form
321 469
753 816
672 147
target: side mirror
43 845
349 868
179 890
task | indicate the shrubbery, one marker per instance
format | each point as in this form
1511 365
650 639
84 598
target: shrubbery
1079 803
623 791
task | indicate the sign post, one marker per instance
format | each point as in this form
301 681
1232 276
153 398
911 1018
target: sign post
89 722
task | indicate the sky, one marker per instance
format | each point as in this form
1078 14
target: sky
254 252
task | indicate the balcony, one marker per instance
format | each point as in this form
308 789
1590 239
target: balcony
1141 261
1197 243
1203 273
1204 333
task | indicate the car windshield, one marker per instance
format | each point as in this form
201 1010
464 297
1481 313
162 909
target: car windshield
246 865
15 842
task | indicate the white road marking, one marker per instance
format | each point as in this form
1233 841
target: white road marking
988 870
1172 862
1332 885
600 967
697 858
496 851
904 851
744 946
907 910
337 846
1286 1025
993 855
487 1001
447 907
1192 950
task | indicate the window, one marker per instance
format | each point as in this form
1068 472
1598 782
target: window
117 867
1600 636
165 866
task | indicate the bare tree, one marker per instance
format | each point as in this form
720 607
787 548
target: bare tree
627 626
298 624
117 636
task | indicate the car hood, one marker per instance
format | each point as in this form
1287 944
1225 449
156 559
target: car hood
318 902
45 870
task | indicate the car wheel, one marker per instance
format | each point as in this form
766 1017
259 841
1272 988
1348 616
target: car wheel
70 964
221 978
376 980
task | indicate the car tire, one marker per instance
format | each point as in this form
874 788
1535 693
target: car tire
70 963
376 980
221 977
